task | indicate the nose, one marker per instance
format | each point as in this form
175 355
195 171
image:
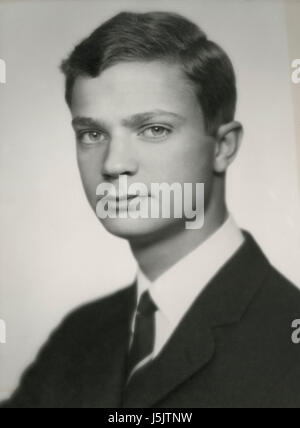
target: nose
119 161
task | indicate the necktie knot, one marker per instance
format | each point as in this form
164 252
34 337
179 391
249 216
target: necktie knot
146 306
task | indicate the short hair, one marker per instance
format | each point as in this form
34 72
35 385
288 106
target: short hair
161 36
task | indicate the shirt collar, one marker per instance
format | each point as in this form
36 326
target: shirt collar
175 291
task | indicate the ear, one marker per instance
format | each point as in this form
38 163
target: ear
228 142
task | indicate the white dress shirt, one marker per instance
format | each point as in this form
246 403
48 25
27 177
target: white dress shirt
175 291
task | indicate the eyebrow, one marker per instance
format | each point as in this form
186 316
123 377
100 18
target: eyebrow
130 122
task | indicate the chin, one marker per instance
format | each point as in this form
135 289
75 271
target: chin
139 229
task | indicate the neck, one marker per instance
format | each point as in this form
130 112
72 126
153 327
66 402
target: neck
157 256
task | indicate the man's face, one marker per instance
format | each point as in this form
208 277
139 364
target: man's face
142 121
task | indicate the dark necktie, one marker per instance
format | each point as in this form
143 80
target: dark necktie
144 333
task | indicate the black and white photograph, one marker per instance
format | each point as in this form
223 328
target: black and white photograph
149 206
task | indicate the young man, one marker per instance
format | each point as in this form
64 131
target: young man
208 322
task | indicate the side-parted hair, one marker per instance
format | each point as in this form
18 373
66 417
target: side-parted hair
165 37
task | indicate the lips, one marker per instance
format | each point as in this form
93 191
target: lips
123 203
120 198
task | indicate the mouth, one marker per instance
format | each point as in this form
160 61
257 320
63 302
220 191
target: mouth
122 202
121 198
125 198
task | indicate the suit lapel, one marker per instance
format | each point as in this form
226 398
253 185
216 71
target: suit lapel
104 360
190 349
192 346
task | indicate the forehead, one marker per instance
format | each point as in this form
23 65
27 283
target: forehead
127 88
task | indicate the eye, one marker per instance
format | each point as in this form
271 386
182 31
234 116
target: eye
156 132
91 137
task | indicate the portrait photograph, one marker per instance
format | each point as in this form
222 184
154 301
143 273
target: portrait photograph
149 206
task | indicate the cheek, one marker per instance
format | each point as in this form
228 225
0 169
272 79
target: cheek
187 162
199 159
89 168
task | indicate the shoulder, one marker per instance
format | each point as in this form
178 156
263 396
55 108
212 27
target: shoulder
276 303
279 296
99 310
263 337
269 323
86 321
278 308
48 381
275 293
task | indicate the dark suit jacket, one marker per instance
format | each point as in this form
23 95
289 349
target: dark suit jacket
233 349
